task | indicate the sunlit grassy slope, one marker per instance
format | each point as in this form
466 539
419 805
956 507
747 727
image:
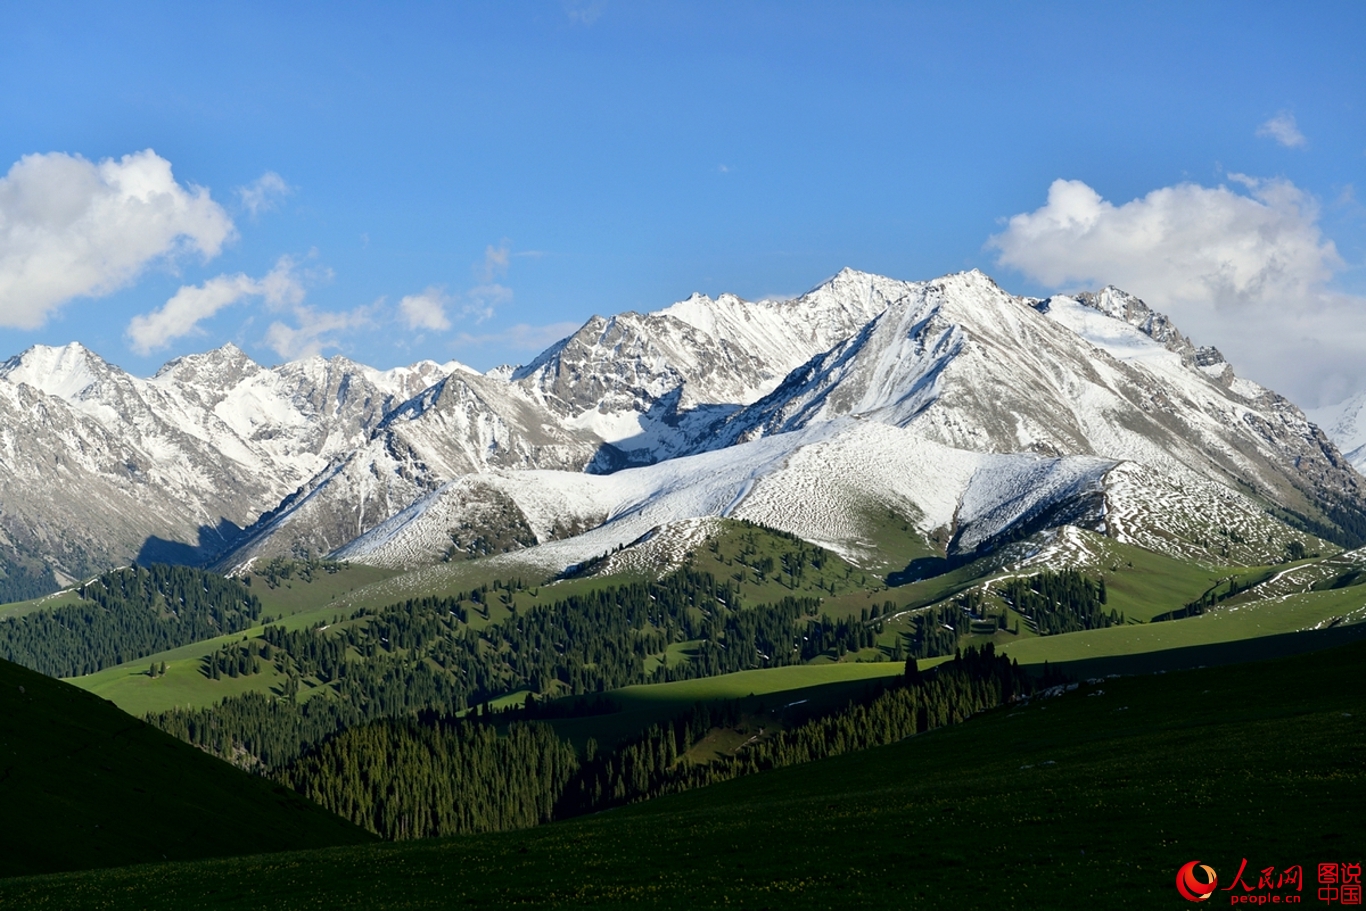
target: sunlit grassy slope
82 784
1230 623
293 603
1090 800
1141 585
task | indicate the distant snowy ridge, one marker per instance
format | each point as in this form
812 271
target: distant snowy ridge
999 416
974 415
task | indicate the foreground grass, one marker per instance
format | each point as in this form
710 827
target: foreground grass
1090 800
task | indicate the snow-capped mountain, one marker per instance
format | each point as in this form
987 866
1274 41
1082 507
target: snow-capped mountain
98 467
1345 424
1000 415
973 415
627 390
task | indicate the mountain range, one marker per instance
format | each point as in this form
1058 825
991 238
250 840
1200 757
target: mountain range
966 415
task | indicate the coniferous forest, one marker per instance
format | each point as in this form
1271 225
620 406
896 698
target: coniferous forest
424 654
1061 602
385 740
127 614
436 775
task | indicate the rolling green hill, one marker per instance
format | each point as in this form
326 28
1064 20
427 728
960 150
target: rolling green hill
1089 800
82 784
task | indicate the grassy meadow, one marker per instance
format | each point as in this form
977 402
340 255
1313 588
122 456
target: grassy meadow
1089 800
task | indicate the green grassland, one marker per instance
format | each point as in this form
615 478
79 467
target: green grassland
1141 585
324 584
46 602
84 785
293 603
1228 623
755 692
894 540
1090 800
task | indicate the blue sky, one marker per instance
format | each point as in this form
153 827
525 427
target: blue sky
470 181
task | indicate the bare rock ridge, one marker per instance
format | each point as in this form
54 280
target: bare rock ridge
980 411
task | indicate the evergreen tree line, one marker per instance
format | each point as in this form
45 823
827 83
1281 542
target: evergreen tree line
423 654
426 776
240 661
22 578
418 778
934 632
788 567
649 766
1061 602
127 614
1210 598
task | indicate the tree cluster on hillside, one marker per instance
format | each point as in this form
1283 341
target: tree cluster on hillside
1216 594
279 570
423 653
769 554
127 614
1061 602
422 777
413 777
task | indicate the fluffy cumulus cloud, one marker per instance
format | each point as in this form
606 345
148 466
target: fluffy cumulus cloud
425 311
1284 130
1245 268
192 304
75 228
1187 242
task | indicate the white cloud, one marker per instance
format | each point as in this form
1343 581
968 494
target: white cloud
316 331
192 304
1282 128
1248 272
481 302
74 228
262 193
495 262
521 337
425 311
1186 243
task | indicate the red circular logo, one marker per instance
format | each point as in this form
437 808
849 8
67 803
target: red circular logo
1191 889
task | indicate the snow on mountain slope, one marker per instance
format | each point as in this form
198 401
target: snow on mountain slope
651 385
784 334
1345 424
964 363
172 466
818 483
464 424
282 425
974 414
79 497
822 483
1066 388
627 390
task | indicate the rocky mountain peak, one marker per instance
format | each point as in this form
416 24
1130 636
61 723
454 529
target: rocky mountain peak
1126 307
68 372
225 366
